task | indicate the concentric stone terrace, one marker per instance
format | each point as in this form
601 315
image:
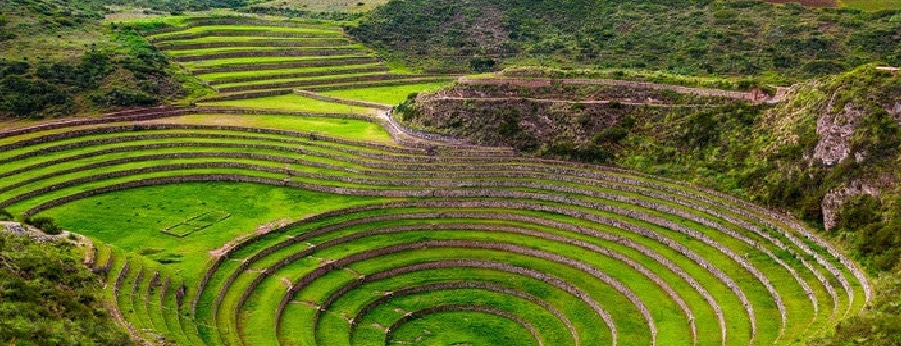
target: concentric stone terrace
457 243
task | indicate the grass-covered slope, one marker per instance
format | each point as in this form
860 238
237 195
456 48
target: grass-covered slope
692 37
57 58
48 297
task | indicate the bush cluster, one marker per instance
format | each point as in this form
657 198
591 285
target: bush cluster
686 37
44 223
36 89
5 215
50 298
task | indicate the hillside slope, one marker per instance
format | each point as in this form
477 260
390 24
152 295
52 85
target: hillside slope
58 58
830 142
47 297
694 37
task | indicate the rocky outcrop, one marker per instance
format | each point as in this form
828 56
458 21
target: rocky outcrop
835 129
834 199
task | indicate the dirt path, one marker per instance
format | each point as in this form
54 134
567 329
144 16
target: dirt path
501 99
753 96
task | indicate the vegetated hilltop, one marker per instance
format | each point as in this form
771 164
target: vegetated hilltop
47 297
688 37
59 59
829 151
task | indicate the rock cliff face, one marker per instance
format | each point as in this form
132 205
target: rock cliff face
894 110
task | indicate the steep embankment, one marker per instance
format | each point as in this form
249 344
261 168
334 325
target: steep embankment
697 37
829 143
58 58
580 119
832 151
47 297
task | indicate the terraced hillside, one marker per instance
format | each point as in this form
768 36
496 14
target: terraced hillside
249 227
250 58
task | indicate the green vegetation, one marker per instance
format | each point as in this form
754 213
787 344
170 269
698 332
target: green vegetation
290 102
872 5
658 77
130 221
713 37
324 5
44 223
247 75
224 76
349 129
123 70
390 95
451 328
50 298
879 325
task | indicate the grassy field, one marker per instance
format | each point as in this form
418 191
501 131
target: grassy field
460 328
291 102
872 5
326 5
357 130
321 79
205 51
243 74
133 220
387 95
259 60
239 28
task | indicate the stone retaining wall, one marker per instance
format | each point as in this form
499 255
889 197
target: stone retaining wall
533 83
379 68
286 65
248 95
635 214
238 21
93 121
271 53
312 82
549 279
475 308
325 42
441 287
326 98
241 33
382 84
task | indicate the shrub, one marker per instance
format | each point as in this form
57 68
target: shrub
45 223
5 215
123 98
